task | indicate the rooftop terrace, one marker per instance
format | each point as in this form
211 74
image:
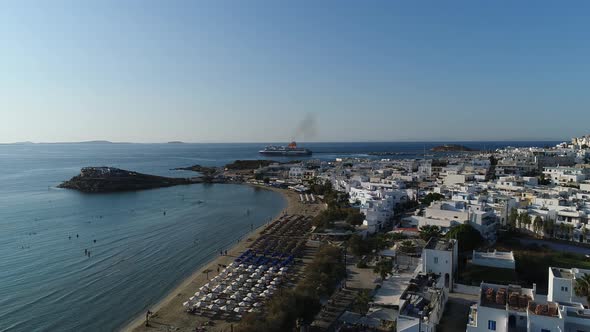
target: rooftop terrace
440 244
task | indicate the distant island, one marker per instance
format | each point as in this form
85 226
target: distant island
175 142
110 179
198 168
451 148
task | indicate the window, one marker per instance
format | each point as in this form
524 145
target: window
435 260
563 289
492 325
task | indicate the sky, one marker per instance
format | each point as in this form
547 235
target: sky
273 71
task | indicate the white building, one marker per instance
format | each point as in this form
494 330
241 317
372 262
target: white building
565 175
513 308
562 282
440 257
497 259
296 173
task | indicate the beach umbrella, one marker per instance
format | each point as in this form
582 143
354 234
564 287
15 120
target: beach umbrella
249 281
206 285
254 310
199 293
248 299
242 304
199 304
234 297
216 279
213 307
192 298
239 310
186 304
219 301
209 296
274 283
224 308
250 295
257 304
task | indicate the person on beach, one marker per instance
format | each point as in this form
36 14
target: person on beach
147 318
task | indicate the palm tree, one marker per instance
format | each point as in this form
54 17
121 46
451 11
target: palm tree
582 287
384 267
538 224
429 231
361 301
561 228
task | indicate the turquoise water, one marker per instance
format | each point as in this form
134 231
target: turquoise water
140 254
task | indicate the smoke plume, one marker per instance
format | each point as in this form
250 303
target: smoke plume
306 130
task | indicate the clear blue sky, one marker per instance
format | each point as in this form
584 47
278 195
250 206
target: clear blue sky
228 71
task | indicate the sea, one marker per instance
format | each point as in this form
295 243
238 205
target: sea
141 244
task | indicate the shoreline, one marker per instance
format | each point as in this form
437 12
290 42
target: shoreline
168 311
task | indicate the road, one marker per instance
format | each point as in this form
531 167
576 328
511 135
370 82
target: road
558 246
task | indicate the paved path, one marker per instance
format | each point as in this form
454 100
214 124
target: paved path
558 246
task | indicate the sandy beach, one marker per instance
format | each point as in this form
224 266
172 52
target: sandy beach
169 315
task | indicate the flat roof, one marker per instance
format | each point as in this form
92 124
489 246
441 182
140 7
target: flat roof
562 273
391 290
439 244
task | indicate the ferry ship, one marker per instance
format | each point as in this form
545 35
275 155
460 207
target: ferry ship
289 150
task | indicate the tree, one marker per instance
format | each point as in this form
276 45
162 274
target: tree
361 301
584 233
397 236
513 218
538 224
582 287
520 220
431 197
467 237
561 229
429 231
569 231
526 220
357 245
355 217
383 267
549 228
407 247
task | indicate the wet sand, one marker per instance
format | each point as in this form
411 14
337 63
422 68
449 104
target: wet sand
169 315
